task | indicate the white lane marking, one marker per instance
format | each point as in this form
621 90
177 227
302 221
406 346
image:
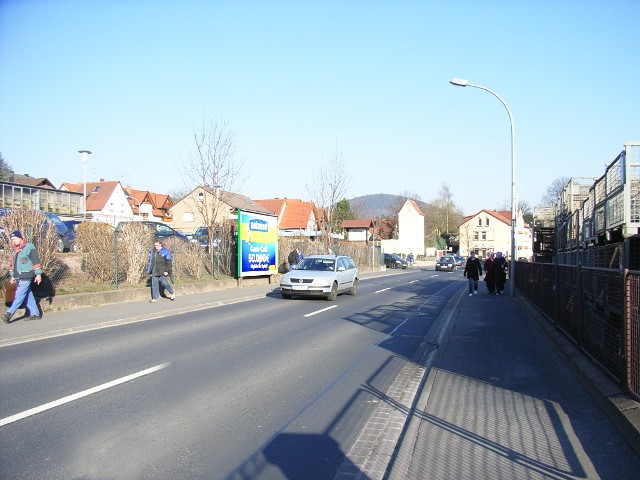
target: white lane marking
414 281
320 311
76 396
383 290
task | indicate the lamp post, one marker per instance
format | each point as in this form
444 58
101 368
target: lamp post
84 153
458 82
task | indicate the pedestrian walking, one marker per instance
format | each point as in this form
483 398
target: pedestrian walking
160 268
499 272
488 273
473 270
24 267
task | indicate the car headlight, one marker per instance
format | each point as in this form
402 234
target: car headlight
322 282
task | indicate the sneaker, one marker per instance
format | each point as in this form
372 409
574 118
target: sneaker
6 317
172 297
153 300
34 317
475 292
471 294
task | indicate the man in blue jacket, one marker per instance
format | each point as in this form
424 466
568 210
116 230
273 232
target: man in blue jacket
160 268
24 266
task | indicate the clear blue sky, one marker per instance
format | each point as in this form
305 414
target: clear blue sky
298 80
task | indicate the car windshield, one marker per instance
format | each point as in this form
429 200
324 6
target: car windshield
319 264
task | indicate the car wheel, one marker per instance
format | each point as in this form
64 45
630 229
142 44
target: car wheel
286 296
334 292
354 289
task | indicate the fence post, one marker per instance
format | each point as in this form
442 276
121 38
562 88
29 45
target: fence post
626 330
579 307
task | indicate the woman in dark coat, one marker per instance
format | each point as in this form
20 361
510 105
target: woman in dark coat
488 274
499 272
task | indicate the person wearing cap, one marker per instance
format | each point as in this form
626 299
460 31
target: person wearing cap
24 267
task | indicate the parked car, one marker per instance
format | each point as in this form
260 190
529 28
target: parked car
446 262
460 260
201 236
321 276
391 260
160 231
66 237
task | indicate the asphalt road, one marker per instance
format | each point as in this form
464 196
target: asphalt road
240 384
265 388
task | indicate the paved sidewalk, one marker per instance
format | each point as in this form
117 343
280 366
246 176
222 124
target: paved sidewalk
506 396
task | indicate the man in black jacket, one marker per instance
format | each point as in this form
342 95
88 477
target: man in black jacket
160 268
473 270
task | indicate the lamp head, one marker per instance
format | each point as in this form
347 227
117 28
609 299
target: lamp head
459 82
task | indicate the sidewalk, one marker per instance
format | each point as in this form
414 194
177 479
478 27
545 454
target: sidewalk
503 399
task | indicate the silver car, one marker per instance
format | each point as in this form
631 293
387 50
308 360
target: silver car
321 276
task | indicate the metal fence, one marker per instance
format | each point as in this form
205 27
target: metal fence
597 308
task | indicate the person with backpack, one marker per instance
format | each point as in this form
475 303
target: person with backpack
294 258
160 267
473 270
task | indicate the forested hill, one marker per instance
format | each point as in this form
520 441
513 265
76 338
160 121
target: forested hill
376 206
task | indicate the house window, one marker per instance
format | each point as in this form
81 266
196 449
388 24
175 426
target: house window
475 235
479 222
487 222
187 217
484 236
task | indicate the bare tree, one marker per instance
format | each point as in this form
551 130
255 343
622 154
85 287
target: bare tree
213 168
553 191
329 184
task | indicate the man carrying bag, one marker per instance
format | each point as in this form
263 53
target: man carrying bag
25 267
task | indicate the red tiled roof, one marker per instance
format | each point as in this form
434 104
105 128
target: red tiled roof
98 193
361 223
292 213
502 215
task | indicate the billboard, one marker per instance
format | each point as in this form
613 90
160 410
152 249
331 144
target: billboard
257 244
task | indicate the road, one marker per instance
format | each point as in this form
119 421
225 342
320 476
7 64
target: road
242 384
270 387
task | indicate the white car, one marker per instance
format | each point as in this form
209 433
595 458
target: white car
321 276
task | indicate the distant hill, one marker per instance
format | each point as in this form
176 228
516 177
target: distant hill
379 205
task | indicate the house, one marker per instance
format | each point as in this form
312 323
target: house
200 206
106 201
26 192
410 231
359 230
149 206
490 231
295 217
30 181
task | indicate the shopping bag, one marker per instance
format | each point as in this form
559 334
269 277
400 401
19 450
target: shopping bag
10 292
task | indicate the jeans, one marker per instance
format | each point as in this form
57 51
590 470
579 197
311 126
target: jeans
473 284
24 291
155 289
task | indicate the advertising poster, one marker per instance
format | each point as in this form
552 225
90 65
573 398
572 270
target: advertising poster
257 244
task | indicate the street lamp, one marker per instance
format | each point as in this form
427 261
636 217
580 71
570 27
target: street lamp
84 153
458 82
